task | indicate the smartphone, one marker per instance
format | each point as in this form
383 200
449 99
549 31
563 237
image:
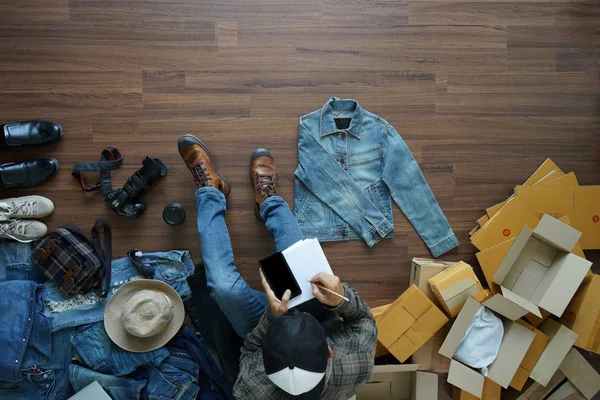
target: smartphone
278 274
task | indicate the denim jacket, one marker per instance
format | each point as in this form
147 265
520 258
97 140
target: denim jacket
350 162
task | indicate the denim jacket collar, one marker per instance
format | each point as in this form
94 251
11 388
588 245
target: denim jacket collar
334 104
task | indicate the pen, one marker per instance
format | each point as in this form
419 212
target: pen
330 291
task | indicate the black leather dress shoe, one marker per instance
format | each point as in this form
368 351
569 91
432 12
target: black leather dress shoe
27 173
30 133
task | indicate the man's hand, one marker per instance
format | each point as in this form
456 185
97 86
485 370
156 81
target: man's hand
331 282
277 307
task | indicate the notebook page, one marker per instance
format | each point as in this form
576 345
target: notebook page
306 259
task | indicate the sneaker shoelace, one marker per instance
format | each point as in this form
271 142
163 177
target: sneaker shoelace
13 227
266 184
25 209
201 174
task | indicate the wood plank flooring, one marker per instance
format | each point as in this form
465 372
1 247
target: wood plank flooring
482 91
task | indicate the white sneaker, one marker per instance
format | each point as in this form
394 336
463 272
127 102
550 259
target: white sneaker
25 207
24 231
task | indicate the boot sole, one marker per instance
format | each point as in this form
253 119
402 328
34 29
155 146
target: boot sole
199 143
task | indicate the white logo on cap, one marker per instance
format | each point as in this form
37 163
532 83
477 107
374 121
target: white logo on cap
296 381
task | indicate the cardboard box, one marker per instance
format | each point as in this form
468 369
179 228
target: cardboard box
380 349
561 341
515 344
408 323
428 356
580 203
505 224
581 374
582 315
531 357
421 269
540 270
454 286
535 391
543 170
566 391
566 180
399 382
491 258
491 391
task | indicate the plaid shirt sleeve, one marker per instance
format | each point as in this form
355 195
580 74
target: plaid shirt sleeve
252 381
355 347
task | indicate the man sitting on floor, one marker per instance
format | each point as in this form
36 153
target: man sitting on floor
285 354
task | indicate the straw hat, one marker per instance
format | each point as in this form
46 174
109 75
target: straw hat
143 315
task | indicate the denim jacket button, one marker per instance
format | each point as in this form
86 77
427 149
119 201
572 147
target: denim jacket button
45 376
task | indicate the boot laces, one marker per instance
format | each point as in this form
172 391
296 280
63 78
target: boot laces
201 174
266 183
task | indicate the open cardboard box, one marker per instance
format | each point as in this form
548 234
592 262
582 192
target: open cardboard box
399 382
540 270
515 344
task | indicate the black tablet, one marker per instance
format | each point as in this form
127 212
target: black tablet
279 275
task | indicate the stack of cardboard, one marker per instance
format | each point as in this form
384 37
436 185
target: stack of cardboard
547 191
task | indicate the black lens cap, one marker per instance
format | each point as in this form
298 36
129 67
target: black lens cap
174 214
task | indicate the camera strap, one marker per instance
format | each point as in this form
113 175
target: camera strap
111 158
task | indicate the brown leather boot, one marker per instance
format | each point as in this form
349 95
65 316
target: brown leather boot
199 162
263 177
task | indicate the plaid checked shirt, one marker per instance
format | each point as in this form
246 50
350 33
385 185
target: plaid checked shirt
351 364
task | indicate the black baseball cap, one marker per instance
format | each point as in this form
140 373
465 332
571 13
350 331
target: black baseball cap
295 353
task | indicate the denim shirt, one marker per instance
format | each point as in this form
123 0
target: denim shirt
351 162
22 326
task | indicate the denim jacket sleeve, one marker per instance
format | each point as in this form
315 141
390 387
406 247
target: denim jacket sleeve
412 194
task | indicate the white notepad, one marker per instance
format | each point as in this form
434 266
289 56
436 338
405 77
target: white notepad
306 259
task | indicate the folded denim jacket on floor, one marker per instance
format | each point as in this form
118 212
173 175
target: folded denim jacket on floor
350 162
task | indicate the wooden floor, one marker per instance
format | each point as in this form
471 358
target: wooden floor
482 92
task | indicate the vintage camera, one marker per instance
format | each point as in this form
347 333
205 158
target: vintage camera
125 201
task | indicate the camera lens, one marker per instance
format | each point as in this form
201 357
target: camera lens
174 214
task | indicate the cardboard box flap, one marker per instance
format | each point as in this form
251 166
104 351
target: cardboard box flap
513 254
466 378
560 287
581 373
566 391
557 233
376 390
459 328
547 166
424 386
561 341
518 300
505 307
515 343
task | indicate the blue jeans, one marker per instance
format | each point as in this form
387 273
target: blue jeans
95 349
119 388
242 305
